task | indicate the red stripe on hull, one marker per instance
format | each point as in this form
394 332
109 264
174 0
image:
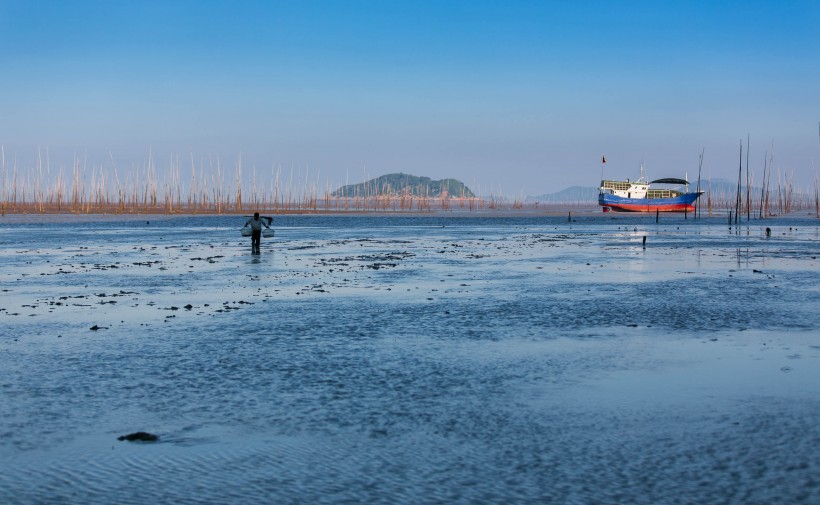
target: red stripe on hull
679 207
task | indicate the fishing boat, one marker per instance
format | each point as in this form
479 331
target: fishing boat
643 196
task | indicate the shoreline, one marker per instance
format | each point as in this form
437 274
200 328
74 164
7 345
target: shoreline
570 213
541 211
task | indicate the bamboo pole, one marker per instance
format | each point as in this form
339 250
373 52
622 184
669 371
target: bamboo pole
739 173
748 183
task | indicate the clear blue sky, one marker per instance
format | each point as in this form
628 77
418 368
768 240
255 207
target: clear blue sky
516 97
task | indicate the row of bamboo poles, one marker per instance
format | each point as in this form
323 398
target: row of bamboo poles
763 200
208 187
787 199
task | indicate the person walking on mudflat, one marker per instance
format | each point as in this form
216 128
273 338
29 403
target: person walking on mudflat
256 224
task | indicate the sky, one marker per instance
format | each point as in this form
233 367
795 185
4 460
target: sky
511 97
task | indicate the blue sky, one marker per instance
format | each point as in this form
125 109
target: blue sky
511 97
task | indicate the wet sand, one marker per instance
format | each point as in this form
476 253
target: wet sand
399 359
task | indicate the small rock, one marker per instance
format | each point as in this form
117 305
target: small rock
139 436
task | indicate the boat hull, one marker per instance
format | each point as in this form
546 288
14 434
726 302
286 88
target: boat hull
681 203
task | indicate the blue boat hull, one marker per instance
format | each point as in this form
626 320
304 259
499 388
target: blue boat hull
681 203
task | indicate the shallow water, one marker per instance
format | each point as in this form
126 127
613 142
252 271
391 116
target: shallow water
410 359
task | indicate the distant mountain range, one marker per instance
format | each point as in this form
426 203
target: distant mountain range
398 184
584 194
573 194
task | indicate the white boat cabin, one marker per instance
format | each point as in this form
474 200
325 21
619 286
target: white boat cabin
626 189
641 188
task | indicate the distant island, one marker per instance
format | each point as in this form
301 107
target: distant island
406 184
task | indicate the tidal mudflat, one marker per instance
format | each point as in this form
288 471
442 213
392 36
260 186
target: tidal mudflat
410 359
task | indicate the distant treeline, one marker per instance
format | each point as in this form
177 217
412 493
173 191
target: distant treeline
210 187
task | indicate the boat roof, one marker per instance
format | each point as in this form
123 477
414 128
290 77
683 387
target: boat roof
670 181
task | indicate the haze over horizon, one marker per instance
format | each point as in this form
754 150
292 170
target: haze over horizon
514 97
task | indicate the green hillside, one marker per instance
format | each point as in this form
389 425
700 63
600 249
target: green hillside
397 184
